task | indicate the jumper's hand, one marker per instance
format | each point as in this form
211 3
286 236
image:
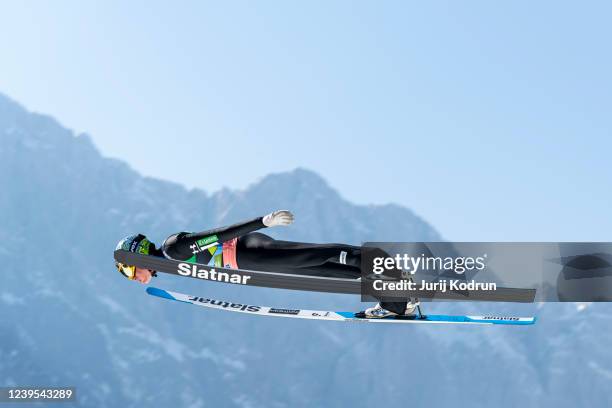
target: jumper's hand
280 217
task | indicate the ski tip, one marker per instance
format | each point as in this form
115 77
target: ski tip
159 293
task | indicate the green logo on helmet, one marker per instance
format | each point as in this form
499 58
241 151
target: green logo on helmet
143 247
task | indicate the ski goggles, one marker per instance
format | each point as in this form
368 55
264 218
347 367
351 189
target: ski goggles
129 271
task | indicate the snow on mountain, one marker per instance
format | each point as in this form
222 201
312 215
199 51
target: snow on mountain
68 318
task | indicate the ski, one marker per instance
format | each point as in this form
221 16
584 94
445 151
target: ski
333 316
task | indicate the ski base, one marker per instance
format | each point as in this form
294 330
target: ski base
334 316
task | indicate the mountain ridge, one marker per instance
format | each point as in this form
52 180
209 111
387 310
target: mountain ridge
69 318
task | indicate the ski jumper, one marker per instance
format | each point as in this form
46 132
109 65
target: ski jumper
239 246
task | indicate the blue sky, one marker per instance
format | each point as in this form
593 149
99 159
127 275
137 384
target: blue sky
492 120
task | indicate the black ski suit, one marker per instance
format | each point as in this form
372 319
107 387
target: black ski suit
259 252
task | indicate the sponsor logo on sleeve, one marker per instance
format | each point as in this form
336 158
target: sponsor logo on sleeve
205 243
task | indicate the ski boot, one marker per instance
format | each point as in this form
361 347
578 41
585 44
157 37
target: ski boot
378 312
411 306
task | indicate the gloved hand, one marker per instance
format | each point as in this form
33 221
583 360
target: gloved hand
280 217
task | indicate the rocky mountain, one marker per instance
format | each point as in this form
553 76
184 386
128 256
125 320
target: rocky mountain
68 318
